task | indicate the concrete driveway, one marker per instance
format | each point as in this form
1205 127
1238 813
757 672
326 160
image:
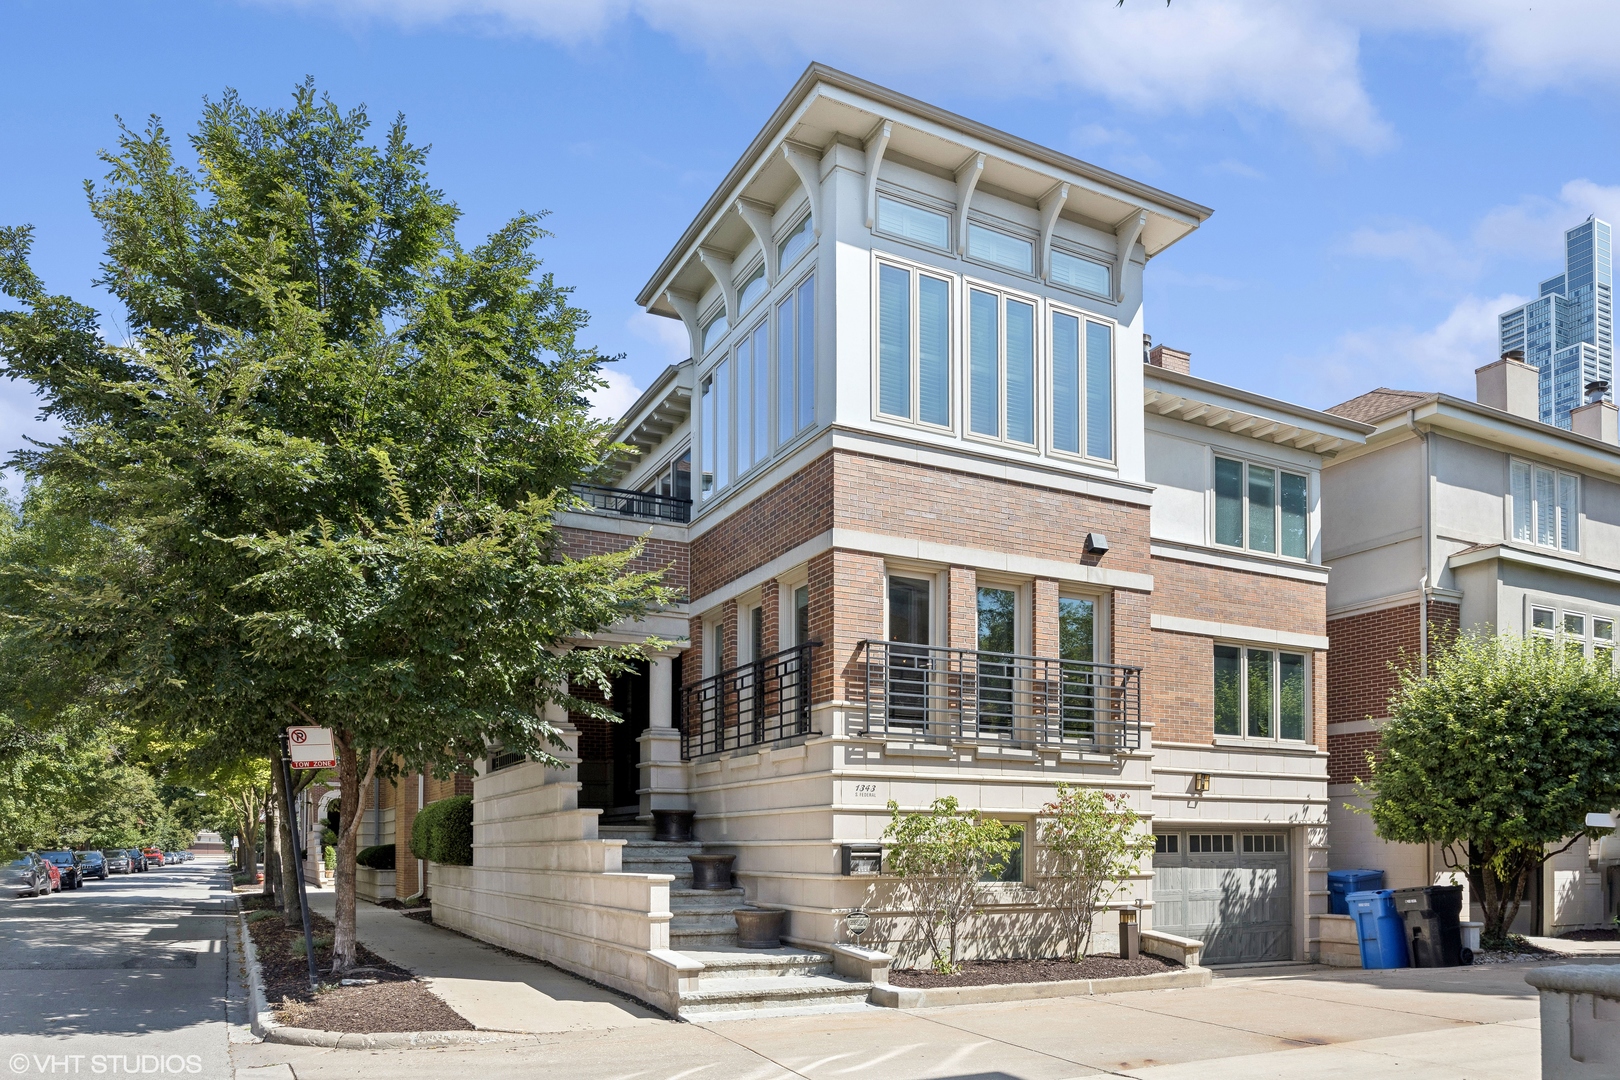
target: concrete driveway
1459 1024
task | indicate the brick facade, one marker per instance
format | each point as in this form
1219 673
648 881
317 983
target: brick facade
671 556
1367 650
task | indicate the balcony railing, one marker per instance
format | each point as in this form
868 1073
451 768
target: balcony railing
754 704
641 504
933 693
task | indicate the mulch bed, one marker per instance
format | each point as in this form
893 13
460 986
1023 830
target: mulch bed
993 972
1518 951
1591 935
395 1002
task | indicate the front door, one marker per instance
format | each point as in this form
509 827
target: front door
908 667
1232 890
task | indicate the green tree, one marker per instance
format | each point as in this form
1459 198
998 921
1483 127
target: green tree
1501 751
1092 843
317 483
941 857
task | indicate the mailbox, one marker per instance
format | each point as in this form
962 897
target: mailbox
863 860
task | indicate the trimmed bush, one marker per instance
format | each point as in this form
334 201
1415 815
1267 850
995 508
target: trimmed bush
329 856
442 832
380 857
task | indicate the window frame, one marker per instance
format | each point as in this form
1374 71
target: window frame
1218 454
1590 641
1510 505
1075 252
780 297
717 314
911 199
953 323
754 270
1053 309
801 219
1276 652
1040 356
978 221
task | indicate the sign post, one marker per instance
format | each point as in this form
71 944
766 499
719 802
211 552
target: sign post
303 748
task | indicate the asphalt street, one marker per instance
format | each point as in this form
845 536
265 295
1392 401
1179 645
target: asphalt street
128 976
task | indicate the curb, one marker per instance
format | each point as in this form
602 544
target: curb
904 997
265 1025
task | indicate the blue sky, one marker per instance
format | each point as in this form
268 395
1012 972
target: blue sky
1386 176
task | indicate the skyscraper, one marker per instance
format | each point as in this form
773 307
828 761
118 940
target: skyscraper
1567 332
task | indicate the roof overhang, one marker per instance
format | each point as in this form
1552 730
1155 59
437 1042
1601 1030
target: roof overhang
1502 429
1198 401
661 409
1539 560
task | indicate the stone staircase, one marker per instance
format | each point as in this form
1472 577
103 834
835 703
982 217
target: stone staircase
735 982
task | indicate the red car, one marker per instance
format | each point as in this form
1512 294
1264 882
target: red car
154 857
56 875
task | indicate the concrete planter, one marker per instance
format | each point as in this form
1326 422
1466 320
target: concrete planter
373 886
711 871
759 928
903 997
673 826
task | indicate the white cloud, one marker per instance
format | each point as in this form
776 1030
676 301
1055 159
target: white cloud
1425 248
668 338
613 399
1535 225
1442 357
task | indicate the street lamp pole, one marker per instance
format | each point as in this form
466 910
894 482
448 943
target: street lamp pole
298 857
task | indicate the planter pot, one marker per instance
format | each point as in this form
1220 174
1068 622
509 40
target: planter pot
373 885
759 928
672 826
711 871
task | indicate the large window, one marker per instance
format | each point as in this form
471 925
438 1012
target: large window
796 241
1082 386
998 633
1546 506
753 398
1588 633
1259 693
914 346
1262 508
675 479
913 223
1001 367
796 361
715 395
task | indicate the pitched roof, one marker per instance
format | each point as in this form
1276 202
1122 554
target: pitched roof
1376 404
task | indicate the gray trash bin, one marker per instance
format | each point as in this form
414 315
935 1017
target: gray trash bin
1433 925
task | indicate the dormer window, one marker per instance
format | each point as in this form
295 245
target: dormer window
752 289
913 223
794 242
1083 274
999 249
714 330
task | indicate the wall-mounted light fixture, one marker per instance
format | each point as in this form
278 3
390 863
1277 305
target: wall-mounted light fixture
1096 543
1201 783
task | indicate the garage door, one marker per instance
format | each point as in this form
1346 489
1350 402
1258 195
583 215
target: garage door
1230 890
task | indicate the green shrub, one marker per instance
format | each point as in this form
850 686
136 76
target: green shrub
296 945
262 913
442 832
380 857
329 857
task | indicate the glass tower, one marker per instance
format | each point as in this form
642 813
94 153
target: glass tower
1567 332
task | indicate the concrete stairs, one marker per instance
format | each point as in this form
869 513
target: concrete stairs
735 982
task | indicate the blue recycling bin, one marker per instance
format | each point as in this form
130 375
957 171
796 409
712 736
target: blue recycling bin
1341 883
1379 928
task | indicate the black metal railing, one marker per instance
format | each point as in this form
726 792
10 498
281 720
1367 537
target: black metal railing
935 693
753 704
642 504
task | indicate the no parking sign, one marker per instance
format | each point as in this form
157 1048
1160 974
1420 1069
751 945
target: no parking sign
310 748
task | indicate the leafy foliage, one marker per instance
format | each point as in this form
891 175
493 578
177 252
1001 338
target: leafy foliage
941 857
1502 749
442 831
1092 841
376 857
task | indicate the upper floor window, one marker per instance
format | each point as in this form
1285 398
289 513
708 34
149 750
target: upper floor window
714 393
752 289
914 345
1078 273
797 239
713 331
1260 693
753 364
1082 386
993 246
1261 508
674 479
796 361
1546 506
913 223
1001 366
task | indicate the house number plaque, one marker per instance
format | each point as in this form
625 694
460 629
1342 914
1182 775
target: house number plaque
857 921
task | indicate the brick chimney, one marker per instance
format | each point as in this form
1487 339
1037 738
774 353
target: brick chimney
1510 385
1171 359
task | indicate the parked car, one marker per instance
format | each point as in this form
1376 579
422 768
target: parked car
51 869
92 864
27 875
186 856
137 859
154 857
118 861
72 875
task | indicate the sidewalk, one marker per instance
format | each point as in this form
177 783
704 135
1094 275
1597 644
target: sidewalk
493 990
1585 950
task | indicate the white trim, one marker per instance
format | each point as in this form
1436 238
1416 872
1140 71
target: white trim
1239 559
1507 553
1394 600
875 145
1356 727
569 519
1051 207
967 178
1257 635
924 551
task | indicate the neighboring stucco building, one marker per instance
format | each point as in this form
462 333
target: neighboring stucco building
1465 515
941 531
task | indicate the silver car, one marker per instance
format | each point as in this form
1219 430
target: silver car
27 875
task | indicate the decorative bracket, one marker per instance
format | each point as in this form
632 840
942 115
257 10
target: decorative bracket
720 266
1126 234
687 309
809 170
967 178
875 145
758 216
1051 205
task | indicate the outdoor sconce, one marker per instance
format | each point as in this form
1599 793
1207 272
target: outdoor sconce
1201 783
1096 543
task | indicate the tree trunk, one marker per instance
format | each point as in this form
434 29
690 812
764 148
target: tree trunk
287 856
350 784
272 863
